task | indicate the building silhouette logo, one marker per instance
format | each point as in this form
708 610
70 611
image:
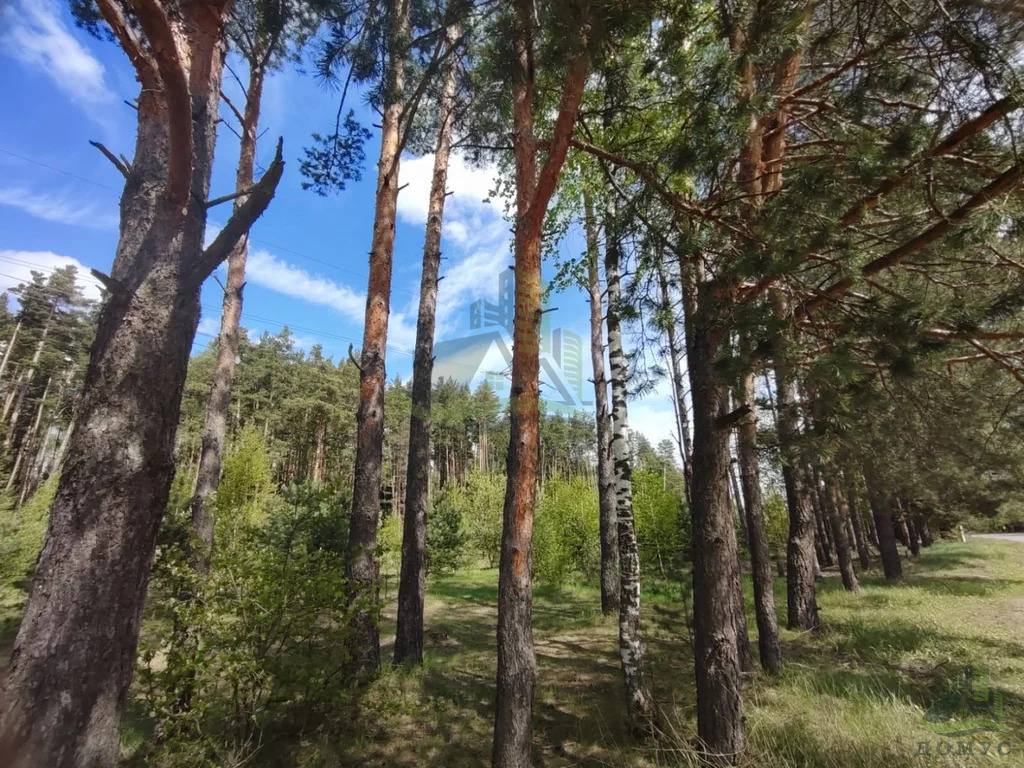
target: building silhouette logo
485 353
973 707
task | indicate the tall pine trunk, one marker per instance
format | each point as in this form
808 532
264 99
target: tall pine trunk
717 662
891 563
362 568
215 422
834 509
72 662
412 585
640 705
513 727
675 352
757 537
801 606
605 471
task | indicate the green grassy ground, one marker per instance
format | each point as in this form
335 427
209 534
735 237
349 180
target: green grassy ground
850 695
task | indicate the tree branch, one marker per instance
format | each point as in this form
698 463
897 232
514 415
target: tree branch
145 67
1002 184
240 222
153 19
119 163
227 198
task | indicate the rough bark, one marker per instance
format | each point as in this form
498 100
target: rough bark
72 662
891 564
412 585
717 664
801 606
605 473
362 568
858 525
833 508
513 728
757 538
215 419
639 704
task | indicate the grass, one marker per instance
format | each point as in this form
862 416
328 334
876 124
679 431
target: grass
852 694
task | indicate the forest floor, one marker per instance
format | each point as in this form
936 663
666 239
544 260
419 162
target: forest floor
852 694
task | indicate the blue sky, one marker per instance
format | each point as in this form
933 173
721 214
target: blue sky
308 260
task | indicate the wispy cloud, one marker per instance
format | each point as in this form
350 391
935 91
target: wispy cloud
267 270
60 207
35 35
16 267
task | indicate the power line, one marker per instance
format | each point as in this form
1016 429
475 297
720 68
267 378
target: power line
282 248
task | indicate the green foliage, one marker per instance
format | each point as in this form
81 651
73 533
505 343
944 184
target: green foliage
22 533
566 539
446 535
480 502
389 545
246 483
776 523
268 657
662 525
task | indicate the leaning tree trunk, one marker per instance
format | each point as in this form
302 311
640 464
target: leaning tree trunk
362 568
834 512
717 663
513 727
639 704
891 564
605 472
801 606
215 424
72 662
757 538
912 535
412 584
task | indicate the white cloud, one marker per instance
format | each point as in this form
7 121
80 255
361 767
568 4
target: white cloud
469 221
60 207
209 326
34 33
267 270
654 418
16 267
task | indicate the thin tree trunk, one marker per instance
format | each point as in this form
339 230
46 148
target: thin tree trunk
28 444
72 662
362 567
639 704
513 728
757 538
675 352
412 584
23 385
605 471
923 530
858 526
822 527
9 349
219 402
912 535
834 512
717 661
891 564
